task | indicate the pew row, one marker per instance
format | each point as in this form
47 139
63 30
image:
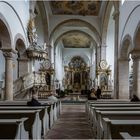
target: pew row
116 115
94 120
32 124
13 129
126 136
43 114
113 128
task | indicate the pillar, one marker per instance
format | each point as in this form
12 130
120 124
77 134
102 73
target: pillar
136 73
124 78
8 54
98 56
116 67
103 52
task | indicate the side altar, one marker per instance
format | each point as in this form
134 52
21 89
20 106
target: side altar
104 80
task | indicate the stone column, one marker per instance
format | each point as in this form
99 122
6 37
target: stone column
123 78
116 77
8 54
103 52
136 73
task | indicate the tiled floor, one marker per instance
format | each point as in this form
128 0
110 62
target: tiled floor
72 124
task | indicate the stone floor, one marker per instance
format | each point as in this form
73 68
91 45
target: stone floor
72 124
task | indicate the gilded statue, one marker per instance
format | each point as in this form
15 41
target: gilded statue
32 34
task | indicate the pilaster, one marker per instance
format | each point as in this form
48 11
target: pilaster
116 66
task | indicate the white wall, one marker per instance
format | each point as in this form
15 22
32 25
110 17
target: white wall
110 44
85 53
129 18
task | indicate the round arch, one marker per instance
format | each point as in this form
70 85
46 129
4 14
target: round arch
41 7
5 33
126 47
124 68
59 38
109 7
75 22
21 60
136 39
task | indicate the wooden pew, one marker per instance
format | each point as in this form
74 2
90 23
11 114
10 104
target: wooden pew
126 136
13 129
24 103
89 104
118 115
94 119
32 125
43 114
111 105
113 127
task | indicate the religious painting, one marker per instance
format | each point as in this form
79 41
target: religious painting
103 81
77 78
48 78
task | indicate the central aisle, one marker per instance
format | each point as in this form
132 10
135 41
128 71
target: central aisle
72 124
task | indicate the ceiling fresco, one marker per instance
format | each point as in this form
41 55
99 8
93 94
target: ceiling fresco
75 7
76 40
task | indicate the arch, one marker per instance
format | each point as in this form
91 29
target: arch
17 17
126 47
57 40
109 7
76 22
17 37
21 62
5 33
124 68
42 10
136 38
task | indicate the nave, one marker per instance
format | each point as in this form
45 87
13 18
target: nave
72 123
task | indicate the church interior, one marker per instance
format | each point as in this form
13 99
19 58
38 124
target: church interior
69 69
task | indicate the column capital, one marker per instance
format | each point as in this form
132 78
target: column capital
116 14
8 52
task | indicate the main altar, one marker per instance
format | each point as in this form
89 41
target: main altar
76 75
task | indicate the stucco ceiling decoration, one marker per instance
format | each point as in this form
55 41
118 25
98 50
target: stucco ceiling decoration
76 40
75 7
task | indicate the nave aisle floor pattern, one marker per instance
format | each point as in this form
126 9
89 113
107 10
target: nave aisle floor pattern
72 124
